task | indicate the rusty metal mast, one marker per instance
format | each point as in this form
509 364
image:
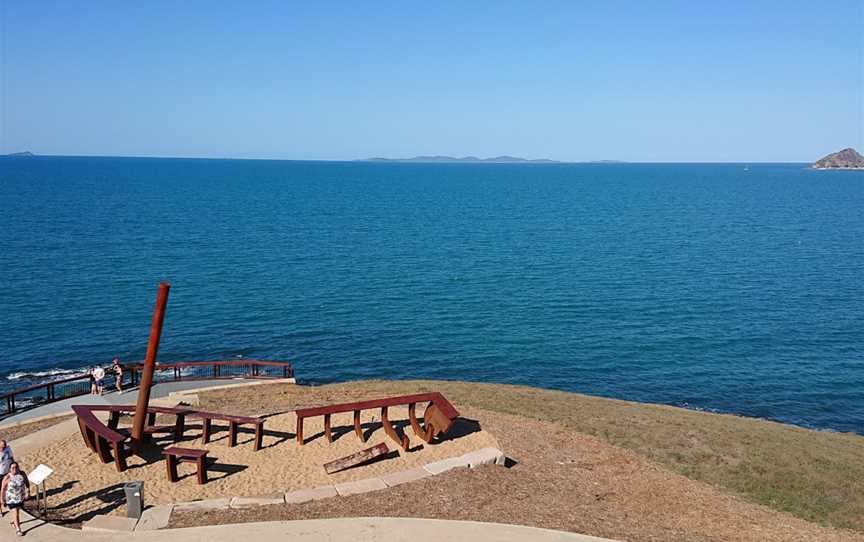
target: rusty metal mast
149 364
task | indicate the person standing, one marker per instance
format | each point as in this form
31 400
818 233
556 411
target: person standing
6 460
92 381
117 369
15 490
99 376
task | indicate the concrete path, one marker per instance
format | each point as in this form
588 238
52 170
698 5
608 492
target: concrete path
129 396
317 530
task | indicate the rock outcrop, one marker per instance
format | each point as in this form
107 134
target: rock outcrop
845 159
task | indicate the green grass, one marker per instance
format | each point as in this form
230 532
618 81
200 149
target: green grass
817 476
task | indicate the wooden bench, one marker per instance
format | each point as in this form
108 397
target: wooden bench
103 440
175 455
438 417
233 423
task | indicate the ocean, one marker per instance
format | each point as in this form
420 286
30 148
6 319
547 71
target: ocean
711 286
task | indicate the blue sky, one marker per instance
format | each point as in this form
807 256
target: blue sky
640 81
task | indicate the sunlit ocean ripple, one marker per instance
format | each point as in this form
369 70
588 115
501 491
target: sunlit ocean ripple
708 286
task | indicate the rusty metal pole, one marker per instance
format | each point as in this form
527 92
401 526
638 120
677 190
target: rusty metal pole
149 364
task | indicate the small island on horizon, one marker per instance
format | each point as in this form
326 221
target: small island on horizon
464 159
845 159
475 160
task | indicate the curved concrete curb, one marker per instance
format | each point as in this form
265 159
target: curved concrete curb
316 530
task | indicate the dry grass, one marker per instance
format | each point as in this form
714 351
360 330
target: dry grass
817 476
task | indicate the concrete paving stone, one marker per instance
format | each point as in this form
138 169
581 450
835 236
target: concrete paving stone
209 504
155 518
483 456
306 495
110 523
261 500
405 476
444 465
360 486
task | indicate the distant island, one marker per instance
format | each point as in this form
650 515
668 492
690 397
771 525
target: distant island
465 159
25 153
845 159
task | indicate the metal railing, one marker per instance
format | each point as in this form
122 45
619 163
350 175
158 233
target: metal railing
57 390
215 370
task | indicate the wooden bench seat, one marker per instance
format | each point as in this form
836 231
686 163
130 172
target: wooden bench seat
175 455
438 417
233 423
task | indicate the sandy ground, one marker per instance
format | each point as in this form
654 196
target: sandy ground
82 486
561 480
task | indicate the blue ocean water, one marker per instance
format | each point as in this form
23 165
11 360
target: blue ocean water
705 285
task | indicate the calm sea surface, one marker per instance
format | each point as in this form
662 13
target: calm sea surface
703 285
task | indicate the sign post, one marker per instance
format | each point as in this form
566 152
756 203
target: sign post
37 477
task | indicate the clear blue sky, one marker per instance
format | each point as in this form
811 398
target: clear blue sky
572 80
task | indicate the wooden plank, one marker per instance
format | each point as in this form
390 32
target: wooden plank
176 450
358 458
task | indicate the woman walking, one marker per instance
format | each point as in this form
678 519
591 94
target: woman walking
15 490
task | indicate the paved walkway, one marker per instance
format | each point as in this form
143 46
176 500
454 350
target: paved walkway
129 396
317 530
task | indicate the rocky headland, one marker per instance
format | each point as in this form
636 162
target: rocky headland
845 159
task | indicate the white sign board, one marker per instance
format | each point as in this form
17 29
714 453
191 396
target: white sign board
38 475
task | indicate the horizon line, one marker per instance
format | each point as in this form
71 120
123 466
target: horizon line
380 160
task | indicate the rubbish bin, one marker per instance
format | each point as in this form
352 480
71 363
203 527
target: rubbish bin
134 498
